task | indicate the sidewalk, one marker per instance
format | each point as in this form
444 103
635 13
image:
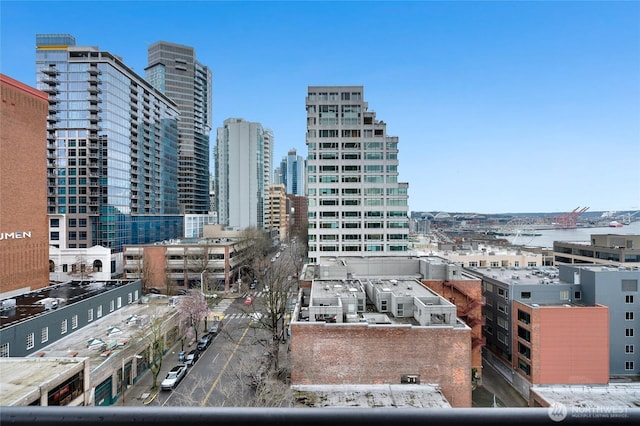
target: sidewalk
139 392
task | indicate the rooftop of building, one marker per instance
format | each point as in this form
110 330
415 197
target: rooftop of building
370 396
616 395
22 307
542 274
103 338
514 276
22 377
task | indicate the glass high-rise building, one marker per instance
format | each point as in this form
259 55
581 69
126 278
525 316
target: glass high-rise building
291 173
112 143
243 157
356 206
174 70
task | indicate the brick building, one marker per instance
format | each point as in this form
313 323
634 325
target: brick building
356 324
561 344
24 232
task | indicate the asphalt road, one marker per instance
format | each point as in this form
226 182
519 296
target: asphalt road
221 376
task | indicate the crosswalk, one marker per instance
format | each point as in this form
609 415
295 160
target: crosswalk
255 316
225 303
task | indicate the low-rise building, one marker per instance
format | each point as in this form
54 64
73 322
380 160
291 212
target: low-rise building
373 322
34 320
565 325
44 381
607 249
209 263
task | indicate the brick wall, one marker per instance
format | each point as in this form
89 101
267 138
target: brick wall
379 354
24 263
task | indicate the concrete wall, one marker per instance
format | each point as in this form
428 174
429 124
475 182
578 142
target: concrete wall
380 354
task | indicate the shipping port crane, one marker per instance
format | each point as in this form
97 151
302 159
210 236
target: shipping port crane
569 220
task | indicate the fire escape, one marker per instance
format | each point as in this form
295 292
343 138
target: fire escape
469 309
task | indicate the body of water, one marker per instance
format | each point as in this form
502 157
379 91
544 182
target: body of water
548 236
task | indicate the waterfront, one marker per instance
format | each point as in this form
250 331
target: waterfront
548 236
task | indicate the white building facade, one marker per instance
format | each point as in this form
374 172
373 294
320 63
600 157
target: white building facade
356 204
244 157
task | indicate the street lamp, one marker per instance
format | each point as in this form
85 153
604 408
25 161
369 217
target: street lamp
124 385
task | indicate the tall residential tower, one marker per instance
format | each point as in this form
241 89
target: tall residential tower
243 157
357 207
174 70
290 173
111 149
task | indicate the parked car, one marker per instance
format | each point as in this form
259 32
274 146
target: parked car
154 290
204 342
215 328
175 375
191 357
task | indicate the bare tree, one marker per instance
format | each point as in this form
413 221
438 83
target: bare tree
80 268
192 309
279 283
198 260
156 348
143 271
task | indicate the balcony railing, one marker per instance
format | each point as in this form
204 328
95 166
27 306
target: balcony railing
198 416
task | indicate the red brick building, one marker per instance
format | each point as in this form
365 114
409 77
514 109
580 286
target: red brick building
466 294
382 354
24 231
561 344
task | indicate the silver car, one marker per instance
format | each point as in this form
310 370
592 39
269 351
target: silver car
174 377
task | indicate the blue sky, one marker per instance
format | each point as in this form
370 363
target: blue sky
499 106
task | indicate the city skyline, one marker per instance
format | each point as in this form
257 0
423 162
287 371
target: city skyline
499 106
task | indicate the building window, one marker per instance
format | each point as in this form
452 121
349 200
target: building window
577 295
44 334
129 298
74 322
502 322
628 316
63 326
524 334
90 315
524 367
628 365
524 350
111 306
629 285
564 295
628 332
524 317
502 307
628 349
4 350
30 339
525 295
628 298
488 287
99 311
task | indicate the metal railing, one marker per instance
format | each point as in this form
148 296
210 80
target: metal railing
196 416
